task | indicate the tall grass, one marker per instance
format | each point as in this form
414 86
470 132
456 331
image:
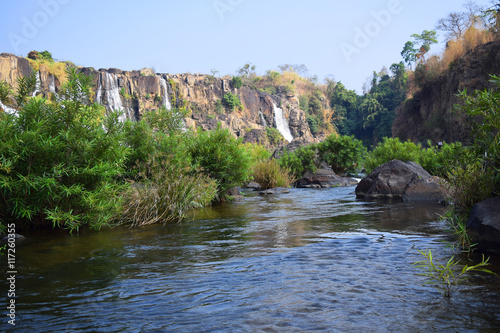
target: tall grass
166 195
269 174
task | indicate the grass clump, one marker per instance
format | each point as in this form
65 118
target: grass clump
269 174
166 194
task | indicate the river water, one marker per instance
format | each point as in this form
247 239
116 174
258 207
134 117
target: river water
309 260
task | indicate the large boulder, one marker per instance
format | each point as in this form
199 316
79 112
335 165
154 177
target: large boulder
484 225
324 178
405 181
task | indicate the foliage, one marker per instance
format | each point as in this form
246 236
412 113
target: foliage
231 101
221 157
219 108
343 153
470 184
445 276
300 160
60 160
5 91
269 174
437 161
166 193
236 82
257 153
274 136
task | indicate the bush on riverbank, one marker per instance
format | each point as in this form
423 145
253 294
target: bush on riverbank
342 153
269 174
59 160
436 160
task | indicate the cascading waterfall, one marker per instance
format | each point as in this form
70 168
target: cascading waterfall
109 84
38 88
8 109
165 96
282 123
52 84
262 119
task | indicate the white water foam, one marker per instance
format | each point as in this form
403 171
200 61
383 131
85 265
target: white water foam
165 96
282 123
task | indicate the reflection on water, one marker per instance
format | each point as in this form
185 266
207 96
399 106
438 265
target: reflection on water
299 262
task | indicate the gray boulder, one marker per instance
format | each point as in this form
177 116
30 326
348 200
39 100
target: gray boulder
324 178
405 181
484 225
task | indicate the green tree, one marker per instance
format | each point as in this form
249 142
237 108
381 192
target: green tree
59 161
231 101
220 156
343 153
236 82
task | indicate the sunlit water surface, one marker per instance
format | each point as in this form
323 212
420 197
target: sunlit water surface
310 260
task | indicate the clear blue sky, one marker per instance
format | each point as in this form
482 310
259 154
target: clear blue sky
178 36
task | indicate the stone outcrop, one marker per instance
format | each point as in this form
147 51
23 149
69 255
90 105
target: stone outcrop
140 91
324 178
430 114
484 225
401 181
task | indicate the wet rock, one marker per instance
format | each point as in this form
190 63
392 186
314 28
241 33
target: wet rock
254 185
277 190
402 181
484 225
18 237
324 178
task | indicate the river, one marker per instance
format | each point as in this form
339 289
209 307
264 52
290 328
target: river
310 260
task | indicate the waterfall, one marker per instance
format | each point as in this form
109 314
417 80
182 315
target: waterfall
262 119
8 109
282 123
109 84
52 84
165 96
38 88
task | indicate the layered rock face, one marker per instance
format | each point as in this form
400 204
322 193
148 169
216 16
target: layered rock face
137 92
430 114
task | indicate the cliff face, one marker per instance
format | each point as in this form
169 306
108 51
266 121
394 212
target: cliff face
430 113
137 92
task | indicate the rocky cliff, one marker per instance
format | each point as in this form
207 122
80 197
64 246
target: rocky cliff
430 113
137 92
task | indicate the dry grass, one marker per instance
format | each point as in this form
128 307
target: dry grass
269 174
58 69
457 48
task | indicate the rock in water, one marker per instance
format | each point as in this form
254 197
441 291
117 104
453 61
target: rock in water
401 181
484 225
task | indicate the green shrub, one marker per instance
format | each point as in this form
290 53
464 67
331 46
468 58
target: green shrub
236 82
219 108
274 136
220 156
389 149
343 153
269 174
257 153
231 101
301 160
60 161
312 121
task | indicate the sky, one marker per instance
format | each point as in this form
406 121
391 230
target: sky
344 40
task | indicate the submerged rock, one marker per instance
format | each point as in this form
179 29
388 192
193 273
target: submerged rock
277 190
324 178
402 181
484 225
